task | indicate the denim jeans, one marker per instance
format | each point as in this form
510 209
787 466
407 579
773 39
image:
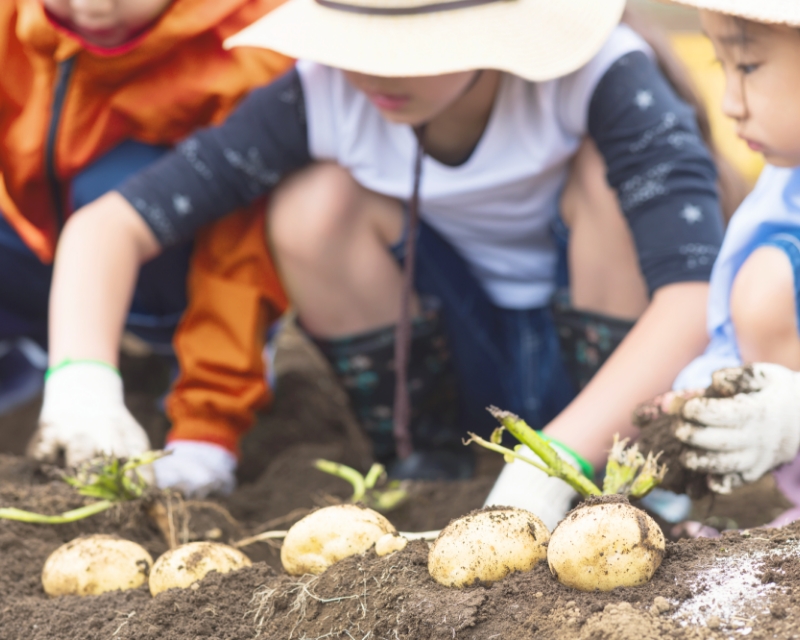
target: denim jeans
504 357
160 296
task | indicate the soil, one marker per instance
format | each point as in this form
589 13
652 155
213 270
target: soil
742 584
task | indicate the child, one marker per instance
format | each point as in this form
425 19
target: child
500 95
752 424
92 92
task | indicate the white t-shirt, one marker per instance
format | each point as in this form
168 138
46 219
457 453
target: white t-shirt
495 209
773 206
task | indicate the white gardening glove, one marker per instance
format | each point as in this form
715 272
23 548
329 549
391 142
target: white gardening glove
84 415
752 426
197 469
524 486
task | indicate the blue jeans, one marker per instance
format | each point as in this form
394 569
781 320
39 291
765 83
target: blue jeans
504 357
160 296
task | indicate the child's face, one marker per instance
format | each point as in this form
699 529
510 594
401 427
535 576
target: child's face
412 101
762 69
107 23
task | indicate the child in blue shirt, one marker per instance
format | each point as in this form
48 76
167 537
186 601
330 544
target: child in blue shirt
750 421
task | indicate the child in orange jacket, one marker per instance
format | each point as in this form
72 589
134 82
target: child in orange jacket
90 93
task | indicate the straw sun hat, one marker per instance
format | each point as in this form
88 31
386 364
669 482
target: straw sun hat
534 39
769 11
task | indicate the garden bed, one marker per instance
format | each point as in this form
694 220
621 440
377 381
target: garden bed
740 585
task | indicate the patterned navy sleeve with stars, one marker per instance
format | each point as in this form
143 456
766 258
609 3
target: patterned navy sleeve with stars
661 170
659 166
220 169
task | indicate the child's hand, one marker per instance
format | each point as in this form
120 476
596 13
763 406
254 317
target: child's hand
749 428
84 415
196 468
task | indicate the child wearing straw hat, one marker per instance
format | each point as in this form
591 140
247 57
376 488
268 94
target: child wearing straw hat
751 424
415 158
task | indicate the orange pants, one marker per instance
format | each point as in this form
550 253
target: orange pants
234 295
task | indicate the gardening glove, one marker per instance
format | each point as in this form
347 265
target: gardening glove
749 428
84 415
197 469
524 486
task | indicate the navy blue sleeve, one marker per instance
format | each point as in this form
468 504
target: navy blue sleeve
661 170
220 169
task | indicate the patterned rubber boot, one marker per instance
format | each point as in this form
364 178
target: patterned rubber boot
364 364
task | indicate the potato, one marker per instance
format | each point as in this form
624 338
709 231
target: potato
331 534
605 543
389 543
487 545
95 564
181 567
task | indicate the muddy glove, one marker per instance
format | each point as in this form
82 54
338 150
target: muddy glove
197 469
84 415
752 426
524 486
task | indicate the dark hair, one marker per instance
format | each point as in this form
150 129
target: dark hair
732 187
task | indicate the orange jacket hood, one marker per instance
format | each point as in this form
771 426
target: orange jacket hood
173 78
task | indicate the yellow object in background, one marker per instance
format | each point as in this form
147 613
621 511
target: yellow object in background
697 53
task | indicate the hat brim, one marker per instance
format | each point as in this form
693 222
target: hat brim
535 39
786 12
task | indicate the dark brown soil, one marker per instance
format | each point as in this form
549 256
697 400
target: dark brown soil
740 584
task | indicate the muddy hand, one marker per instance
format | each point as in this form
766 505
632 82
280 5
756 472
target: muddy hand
751 427
667 404
84 415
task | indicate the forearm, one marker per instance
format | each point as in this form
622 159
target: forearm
97 262
670 333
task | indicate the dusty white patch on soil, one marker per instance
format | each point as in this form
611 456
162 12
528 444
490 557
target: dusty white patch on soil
728 592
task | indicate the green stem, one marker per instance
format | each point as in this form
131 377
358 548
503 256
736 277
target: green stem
21 515
556 466
508 453
345 473
373 475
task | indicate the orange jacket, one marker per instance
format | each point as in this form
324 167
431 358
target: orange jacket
158 89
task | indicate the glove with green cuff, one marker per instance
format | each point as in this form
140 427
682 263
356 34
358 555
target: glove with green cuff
84 415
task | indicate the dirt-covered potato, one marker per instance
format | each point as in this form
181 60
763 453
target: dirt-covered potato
180 568
331 534
389 543
605 543
95 564
486 546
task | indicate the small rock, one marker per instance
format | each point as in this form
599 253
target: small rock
660 605
713 622
538 594
195 586
570 604
778 611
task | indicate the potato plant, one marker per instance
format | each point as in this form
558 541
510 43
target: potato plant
605 542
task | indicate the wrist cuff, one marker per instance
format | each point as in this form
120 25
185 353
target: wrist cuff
586 468
67 362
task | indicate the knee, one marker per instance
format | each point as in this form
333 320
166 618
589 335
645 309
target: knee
312 207
763 309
